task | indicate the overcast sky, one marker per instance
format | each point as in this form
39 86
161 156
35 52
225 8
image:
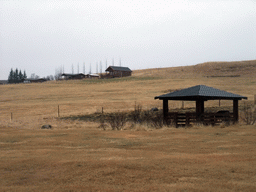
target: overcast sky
40 36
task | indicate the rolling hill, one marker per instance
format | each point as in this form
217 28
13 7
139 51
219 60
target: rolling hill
207 69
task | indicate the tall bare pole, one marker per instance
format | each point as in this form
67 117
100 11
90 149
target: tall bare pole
96 67
84 68
90 72
72 68
106 63
100 67
78 68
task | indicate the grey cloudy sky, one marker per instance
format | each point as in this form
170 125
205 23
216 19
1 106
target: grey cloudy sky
40 36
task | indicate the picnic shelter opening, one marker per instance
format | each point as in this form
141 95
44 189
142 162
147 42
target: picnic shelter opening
199 94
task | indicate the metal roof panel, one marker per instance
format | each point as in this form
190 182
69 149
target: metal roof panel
200 91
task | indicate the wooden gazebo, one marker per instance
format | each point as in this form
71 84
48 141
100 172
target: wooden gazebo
199 94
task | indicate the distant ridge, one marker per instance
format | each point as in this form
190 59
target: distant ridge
208 69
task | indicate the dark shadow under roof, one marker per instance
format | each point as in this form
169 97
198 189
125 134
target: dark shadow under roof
200 92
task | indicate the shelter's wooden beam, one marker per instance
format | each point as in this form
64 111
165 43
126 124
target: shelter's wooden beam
235 110
165 110
199 108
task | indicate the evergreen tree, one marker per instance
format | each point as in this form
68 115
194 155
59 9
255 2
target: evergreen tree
16 76
20 77
11 76
24 75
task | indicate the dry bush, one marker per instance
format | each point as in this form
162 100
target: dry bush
103 124
117 120
152 119
249 114
136 114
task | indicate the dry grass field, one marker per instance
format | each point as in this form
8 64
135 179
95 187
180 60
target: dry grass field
80 156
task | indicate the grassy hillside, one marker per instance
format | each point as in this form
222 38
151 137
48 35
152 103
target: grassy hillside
208 69
88 96
79 156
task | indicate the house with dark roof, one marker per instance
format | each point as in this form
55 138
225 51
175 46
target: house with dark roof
115 71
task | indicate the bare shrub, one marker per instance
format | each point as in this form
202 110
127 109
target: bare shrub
103 124
156 120
150 118
136 114
249 114
117 121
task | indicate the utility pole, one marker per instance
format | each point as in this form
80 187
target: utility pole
84 68
72 68
78 68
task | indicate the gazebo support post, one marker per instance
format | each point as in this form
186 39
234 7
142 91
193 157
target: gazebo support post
235 110
199 110
165 110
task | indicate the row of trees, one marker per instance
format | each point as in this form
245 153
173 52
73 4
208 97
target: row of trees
16 76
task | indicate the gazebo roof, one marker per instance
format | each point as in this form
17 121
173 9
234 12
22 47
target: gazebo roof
200 92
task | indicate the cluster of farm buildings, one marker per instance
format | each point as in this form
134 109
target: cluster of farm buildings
110 72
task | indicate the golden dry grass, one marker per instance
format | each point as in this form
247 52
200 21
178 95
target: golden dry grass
78 156
81 157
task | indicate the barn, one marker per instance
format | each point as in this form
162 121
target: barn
115 71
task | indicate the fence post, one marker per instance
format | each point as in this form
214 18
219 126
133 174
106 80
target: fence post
102 110
58 111
11 117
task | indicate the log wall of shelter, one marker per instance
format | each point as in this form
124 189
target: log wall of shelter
187 119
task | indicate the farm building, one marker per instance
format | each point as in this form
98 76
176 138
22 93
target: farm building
114 71
92 76
79 76
200 94
3 82
67 76
40 80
